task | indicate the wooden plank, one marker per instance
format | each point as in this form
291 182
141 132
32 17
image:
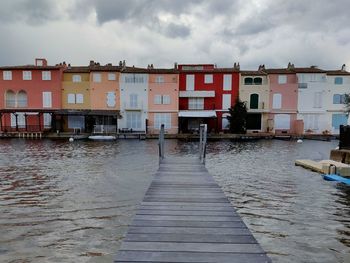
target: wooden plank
185 217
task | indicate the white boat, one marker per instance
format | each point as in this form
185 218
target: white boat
102 137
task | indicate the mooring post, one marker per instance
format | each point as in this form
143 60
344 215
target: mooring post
202 142
161 143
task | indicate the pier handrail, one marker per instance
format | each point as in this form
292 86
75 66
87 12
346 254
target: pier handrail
161 142
202 142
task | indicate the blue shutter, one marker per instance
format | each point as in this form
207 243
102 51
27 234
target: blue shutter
339 119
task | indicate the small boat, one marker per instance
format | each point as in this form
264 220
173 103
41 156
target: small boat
102 137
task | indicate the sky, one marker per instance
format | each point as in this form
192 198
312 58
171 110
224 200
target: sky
161 32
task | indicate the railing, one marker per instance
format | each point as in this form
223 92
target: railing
105 128
161 142
202 142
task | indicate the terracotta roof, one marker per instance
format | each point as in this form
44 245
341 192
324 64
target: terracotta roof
80 69
105 68
308 70
210 71
280 71
337 72
30 67
134 70
163 71
253 73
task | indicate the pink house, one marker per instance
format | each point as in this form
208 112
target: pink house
283 104
29 95
163 100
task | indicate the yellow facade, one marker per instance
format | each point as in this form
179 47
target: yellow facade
76 94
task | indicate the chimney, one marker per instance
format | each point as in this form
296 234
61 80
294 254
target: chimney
120 63
343 67
92 63
236 66
124 64
313 66
290 66
151 66
261 67
40 62
175 65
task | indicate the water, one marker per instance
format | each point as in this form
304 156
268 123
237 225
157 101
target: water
72 202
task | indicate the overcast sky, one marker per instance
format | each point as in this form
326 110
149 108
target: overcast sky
252 32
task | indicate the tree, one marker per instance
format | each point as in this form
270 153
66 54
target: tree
347 103
238 117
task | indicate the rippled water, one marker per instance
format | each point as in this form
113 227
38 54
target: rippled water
72 202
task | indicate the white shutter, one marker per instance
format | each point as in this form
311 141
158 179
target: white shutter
111 76
111 99
47 120
282 79
96 77
226 101
189 82
282 122
13 120
158 99
208 78
166 99
71 98
277 101
47 99
227 82
80 98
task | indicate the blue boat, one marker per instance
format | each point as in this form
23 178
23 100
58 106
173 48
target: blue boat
337 178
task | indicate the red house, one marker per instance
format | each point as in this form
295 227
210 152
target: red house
206 93
29 96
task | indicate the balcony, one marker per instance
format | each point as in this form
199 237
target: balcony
197 94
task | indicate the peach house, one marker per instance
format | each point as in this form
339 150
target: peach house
283 102
163 100
29 95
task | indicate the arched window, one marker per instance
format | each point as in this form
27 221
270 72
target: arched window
10 97
22 100
254 101
258 81
248 81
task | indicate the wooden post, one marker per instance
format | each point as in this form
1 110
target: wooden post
202 142
161 143
16 116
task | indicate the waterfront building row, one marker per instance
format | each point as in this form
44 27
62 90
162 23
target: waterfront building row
118 98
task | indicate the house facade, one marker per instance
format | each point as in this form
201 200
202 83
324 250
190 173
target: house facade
134 92
312 91
338 84
254 89
163 100
206 94
29 95
283 100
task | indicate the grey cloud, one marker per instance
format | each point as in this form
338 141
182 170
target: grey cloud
176 30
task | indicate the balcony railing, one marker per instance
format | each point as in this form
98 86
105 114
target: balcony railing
105 128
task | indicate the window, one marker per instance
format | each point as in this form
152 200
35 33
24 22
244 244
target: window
166 99
133 100
257 81
47 99
76 122
111 76
158 99
133 120
196 103
282 79
160 79
227 82
46 75
225 122
76 78
79 98
318 100
226 101
338 80
189 82
7 75
277 101
111 99
47 120
282 122
162 118
311 121
248 81
339 98
22 100
254 101
27 75
208 78
10 99
339 119
21 120
302 85
71 98
96 77
134 79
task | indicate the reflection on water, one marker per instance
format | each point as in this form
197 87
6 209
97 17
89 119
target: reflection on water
72 202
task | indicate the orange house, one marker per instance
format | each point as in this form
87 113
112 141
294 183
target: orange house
163 100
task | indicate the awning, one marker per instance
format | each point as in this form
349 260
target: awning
198 114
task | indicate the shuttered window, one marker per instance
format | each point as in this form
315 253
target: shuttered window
277 101
189 82
133 120
254 101
111 99
282 122
227 82
226 101
339 119
47 99
162 118
318 100
79 98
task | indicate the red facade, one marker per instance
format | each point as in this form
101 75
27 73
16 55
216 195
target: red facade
211 102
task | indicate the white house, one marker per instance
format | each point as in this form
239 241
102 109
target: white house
312 93
338 84
133 99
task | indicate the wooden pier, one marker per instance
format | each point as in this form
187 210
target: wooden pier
185 217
